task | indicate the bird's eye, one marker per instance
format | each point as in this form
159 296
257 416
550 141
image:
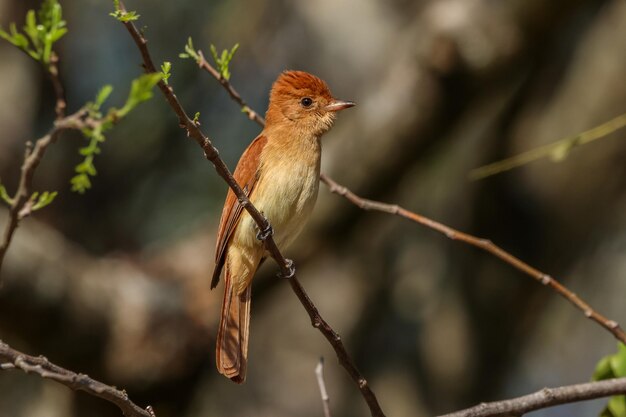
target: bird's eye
306 101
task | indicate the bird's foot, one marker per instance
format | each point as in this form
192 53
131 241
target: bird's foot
265 234
291 267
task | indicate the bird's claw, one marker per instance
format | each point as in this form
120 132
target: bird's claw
292 270
265 234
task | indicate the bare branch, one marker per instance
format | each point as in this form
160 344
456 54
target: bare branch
286 266
20 207
13 359
486 245
319 374
547 397
32 157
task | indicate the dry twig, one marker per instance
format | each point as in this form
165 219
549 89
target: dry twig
21 204
32 156
319 374
486 245
13 359
547 397
286 266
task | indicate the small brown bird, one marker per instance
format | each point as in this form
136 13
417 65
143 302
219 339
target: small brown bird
280 173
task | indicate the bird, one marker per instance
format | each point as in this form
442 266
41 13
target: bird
279 172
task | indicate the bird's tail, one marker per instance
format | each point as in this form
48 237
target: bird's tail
232 335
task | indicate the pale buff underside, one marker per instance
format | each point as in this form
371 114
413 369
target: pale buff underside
288 206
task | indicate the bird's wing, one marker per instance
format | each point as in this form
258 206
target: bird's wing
246 174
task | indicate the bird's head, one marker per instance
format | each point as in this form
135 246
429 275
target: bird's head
302 99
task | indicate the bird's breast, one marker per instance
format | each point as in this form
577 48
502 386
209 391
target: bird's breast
286 190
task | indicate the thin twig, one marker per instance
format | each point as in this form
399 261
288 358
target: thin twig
13 359
286 267
557 150
252 115
32 157
53 71
547 397
319 374
486 245
21 203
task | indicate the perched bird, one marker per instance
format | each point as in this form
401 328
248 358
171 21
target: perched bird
280 173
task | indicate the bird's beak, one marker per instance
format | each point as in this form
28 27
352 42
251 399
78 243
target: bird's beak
337 105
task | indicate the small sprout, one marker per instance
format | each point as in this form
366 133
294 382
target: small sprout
196 118
223 60
4 196
121 15
140 91
190 52
94 106
166 68
45 199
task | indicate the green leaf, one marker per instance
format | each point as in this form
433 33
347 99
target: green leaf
190 52
617 406
222 62
31 27
4 196
196 117
45 199
166 67
80 183
123 16
618 361
103 95
603 370
58 34
140 91
613 366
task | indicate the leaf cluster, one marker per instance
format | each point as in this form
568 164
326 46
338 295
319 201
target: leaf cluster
122 15
40 32
140 91
222 60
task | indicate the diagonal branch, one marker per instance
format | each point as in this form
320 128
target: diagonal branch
13 359
287 270
252 115
547 397
487 246
484 244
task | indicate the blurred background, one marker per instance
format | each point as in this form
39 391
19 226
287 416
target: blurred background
115 283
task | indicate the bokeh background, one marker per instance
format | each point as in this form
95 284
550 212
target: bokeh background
115 283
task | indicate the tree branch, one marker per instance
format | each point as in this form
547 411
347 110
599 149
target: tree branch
13 359
32 157
487 246
547 397
21 203
484 244
287 270
319 374
252 115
